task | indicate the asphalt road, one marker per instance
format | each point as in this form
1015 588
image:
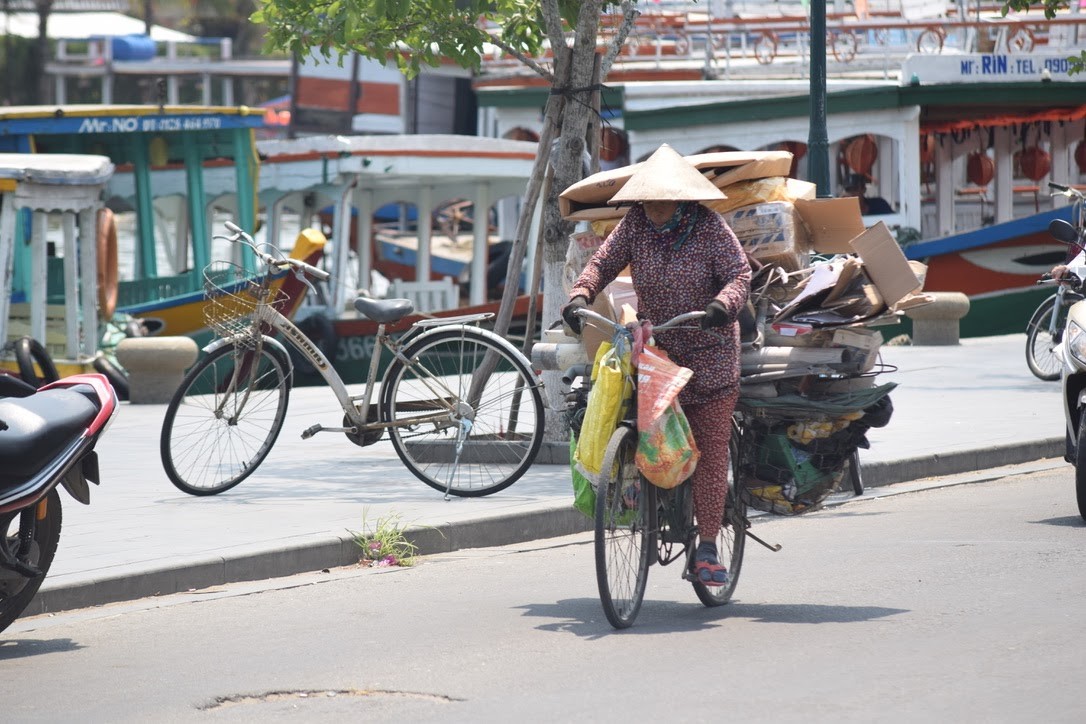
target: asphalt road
956 603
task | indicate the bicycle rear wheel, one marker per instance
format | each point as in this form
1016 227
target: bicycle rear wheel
731 539
624 539
224 418
459 427
1042 354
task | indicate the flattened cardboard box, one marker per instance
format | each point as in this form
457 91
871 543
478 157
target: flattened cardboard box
835 226
885 263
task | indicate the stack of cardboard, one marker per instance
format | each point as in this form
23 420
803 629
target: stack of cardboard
823 284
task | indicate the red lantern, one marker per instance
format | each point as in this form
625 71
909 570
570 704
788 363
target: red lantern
861 154
798 149
1080 156
927 148
612 144
980 168
1035 163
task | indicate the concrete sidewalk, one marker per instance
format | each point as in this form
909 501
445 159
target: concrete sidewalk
957 409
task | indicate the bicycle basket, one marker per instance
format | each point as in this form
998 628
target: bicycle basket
233 295
794 464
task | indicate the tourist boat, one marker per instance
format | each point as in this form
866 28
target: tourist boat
180 172
961 139
73 256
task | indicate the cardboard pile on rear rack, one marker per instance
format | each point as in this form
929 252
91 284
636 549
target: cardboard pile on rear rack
808 388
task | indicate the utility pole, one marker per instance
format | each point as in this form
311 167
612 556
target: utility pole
818 154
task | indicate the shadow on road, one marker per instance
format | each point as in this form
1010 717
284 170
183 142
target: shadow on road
584 617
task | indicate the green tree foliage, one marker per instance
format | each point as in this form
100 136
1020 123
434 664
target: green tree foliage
1050 8
413 33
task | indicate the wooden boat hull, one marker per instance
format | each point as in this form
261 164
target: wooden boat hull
997 267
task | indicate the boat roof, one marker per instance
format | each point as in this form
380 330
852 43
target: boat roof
451 165
115 118
61 169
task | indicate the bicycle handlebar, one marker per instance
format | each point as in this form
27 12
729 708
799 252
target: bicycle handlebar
240 235
588 314
1067 191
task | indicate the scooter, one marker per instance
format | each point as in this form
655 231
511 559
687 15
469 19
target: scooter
47 439
1073 349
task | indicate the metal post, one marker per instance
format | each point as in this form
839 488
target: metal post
818 156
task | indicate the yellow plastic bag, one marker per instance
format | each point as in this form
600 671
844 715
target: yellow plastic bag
612 390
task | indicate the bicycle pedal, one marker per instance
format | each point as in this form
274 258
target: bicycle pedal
311 431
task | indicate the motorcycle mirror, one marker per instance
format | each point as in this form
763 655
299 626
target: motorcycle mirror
1063 231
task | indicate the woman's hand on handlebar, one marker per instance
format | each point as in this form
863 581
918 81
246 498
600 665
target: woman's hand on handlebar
570 316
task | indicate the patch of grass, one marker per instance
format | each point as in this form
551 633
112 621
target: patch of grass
386 544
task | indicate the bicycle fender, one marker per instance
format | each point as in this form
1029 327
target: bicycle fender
269 341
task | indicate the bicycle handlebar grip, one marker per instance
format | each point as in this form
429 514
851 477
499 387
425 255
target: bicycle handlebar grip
1058 187
231 226
313 271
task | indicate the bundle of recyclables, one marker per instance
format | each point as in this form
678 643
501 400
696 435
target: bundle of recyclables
822 285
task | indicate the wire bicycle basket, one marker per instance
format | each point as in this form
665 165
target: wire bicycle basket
233 295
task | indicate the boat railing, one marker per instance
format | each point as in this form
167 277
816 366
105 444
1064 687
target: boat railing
880 43
133 292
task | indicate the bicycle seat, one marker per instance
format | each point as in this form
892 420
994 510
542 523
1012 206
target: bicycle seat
384 311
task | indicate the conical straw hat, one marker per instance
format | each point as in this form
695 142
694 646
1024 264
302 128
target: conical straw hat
667 176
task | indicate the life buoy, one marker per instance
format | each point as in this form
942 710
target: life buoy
28 351
107 263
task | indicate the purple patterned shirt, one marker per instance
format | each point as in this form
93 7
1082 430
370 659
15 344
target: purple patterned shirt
680 269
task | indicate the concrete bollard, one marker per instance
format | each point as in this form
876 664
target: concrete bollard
155 366
937 323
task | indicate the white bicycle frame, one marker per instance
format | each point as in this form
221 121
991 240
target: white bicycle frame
266 314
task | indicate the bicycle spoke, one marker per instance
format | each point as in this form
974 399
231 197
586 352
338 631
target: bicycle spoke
464 459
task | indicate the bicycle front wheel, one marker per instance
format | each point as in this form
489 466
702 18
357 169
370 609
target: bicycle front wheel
224 418
465 412
1043 339
624 538
731 539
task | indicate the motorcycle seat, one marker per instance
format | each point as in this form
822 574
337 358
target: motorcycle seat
34 430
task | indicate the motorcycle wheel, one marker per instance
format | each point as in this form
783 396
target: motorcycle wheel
1080 466
16 590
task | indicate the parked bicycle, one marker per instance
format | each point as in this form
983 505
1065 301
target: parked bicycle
1044 331
461 404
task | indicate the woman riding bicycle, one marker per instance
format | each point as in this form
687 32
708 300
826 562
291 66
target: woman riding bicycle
683 256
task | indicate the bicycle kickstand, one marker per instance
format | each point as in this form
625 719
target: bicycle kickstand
465 428
771 546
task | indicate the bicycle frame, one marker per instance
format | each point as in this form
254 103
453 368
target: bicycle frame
267 317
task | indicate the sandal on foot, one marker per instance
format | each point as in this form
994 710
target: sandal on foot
710 573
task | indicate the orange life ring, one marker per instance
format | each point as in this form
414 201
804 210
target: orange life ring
107 263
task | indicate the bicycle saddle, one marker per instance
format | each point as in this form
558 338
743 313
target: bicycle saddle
384 311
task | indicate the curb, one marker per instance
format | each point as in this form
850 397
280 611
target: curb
549 521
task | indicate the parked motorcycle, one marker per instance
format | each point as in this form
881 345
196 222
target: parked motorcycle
47 439
1073 346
